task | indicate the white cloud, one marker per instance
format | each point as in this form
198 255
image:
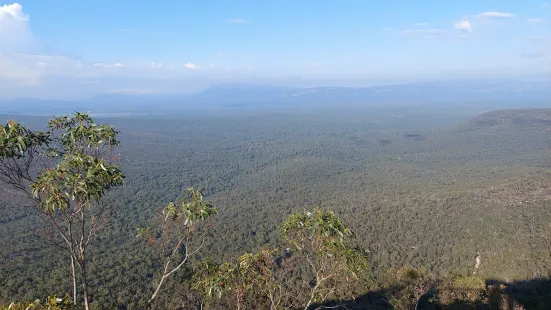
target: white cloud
106 65
495 15
56 64
15 32
485 19
29 70
535 20
237 21
13 11
20 67
190 66
463 25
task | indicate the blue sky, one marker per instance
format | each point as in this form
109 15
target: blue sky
62 48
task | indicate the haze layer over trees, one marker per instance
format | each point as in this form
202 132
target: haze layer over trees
429 194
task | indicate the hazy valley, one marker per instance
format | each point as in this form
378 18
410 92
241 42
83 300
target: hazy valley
423 186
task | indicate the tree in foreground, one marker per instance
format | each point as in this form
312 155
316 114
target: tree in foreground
65 171
318 265
173 238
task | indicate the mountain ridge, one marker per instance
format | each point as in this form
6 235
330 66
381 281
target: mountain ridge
239 95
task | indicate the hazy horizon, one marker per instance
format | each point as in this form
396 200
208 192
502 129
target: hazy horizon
50 49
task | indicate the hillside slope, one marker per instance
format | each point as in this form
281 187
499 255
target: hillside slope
415 194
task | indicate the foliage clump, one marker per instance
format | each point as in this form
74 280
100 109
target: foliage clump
65 171
50 303
317 264
173 238
461 289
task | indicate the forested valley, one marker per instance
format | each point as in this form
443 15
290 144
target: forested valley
450 206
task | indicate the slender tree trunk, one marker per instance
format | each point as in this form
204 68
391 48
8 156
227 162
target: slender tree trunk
85 286
74 281
239 300
158 288
82 248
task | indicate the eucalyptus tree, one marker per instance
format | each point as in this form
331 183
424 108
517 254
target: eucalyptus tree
173 239
317 264
324 243
65 170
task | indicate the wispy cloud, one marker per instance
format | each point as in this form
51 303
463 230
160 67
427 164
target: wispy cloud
420 24
495 15
464 26
189 65
106 65
19 66
535 20
237 21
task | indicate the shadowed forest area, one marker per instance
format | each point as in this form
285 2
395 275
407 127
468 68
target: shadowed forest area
452 207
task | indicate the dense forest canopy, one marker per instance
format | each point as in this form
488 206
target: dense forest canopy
428 188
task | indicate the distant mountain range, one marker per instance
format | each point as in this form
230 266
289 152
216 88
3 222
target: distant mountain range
264 96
